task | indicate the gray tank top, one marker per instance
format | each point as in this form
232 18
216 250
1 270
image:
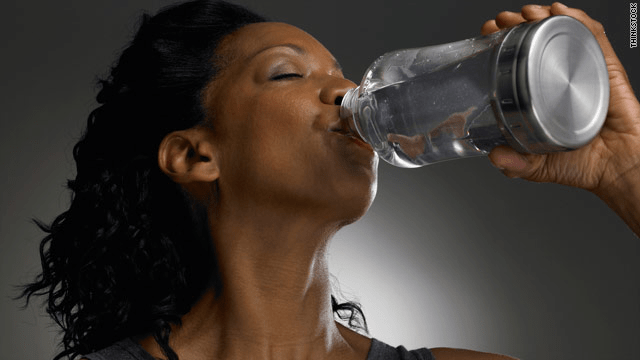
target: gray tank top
128 349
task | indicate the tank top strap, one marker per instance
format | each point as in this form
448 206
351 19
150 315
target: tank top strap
382 351
126 349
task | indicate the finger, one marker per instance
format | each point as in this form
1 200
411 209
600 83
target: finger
508 19
489 27
560 9
535 12
598 31
596 28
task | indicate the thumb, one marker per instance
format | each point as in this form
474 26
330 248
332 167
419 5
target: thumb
512 163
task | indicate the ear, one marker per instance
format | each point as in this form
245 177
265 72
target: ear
189 156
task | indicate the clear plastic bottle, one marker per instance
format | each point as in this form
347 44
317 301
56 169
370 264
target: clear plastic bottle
538 87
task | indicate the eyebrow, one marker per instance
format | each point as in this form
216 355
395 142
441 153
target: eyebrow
298 50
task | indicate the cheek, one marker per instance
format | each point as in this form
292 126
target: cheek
282 128
275 143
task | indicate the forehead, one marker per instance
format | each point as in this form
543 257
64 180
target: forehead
249 40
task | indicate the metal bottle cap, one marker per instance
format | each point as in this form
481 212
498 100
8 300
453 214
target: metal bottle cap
552 86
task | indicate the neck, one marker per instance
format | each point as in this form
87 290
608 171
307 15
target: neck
275 300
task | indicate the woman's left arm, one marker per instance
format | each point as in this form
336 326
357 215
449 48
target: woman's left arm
609 166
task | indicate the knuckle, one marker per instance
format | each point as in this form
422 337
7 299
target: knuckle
489 24
488 27
596 26
530 7
581 12
504 14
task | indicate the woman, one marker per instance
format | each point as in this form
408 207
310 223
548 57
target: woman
212 177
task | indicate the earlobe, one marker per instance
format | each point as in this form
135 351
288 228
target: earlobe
188 156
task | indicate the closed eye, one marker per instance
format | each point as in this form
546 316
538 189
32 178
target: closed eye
285 76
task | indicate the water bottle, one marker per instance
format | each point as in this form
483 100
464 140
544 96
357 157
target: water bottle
538 87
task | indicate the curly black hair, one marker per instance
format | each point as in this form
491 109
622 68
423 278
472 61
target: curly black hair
125 258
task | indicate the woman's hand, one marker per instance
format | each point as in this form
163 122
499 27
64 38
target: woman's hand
613 157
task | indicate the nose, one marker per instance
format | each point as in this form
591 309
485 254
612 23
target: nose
334 90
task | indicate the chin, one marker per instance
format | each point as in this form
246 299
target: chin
355 204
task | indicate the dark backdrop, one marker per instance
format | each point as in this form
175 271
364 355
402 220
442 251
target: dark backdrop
452 254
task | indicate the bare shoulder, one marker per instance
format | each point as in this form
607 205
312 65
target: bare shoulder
460 354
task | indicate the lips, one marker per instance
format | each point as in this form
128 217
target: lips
342 131
341 127
346 132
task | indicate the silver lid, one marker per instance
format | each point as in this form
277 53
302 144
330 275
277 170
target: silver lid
552 85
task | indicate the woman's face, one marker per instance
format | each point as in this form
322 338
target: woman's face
275 110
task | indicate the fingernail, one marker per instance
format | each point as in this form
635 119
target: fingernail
512 161
563 6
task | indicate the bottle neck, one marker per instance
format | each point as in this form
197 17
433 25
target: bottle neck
347 106
349 111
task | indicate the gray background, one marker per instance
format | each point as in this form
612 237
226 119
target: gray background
453 254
